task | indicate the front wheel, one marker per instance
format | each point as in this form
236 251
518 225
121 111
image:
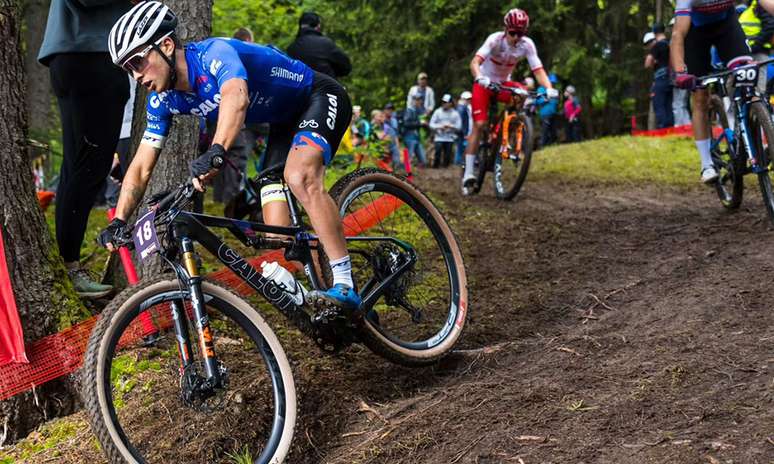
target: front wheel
762 141
144 408
420 316
511 163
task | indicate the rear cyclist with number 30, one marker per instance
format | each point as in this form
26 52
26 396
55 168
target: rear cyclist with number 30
701 24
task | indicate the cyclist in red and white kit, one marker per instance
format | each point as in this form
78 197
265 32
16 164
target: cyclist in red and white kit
493 64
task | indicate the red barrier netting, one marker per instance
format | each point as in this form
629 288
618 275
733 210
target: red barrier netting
61 354
686 130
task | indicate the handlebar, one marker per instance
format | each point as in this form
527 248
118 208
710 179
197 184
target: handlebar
514 90
710 78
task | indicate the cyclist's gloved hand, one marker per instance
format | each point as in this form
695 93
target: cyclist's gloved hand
683 80
552 93
209 160
114 233
484 81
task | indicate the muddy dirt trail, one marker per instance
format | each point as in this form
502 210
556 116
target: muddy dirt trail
607 325
623 325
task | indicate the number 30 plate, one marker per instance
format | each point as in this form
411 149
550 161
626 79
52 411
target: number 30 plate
746 77
145 240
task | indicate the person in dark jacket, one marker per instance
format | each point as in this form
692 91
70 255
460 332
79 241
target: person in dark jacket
91 109
317 51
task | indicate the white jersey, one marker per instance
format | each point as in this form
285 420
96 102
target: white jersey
500 58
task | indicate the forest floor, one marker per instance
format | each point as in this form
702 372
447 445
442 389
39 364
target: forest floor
608 323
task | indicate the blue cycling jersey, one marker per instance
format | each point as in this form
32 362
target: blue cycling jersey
704 12
277 85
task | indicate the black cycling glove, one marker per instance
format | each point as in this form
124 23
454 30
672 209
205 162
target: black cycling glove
114 233
209 160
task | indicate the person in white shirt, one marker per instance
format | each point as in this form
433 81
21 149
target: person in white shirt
446 125
423 90
493 64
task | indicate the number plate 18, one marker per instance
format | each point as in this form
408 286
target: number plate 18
145 240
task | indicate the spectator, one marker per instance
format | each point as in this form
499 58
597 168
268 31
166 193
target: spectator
466 115
244 34
411 125
391 132
681 114
572 111
447 124
547 110
657 59
361 129
424 91
758 27
91 112
227 183
317 51
377 125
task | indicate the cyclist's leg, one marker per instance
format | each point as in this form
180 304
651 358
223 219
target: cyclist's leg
330 107
480 104
273 202
698 59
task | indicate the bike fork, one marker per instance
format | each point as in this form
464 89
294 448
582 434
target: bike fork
200 318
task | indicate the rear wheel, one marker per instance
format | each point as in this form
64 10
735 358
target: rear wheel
730 183
762 141
511 165
420 316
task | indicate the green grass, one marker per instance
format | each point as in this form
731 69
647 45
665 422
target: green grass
123 375
668 161
48 436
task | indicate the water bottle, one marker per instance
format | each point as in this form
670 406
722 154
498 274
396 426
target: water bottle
284 280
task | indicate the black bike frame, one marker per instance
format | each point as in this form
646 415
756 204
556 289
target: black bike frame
743 97
187 227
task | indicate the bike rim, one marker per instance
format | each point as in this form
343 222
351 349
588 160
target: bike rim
432 286
239 344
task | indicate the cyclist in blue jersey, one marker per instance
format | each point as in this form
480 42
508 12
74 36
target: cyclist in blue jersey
234 82
700 25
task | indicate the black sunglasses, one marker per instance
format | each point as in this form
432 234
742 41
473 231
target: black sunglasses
515 33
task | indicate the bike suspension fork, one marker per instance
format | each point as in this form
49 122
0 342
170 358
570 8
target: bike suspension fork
741 117
201 320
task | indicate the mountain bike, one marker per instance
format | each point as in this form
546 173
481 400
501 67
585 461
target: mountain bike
746 147
218 378
506 145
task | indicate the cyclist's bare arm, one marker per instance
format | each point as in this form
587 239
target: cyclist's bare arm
136 180
542 77
768 4
677 46
475 66
233 108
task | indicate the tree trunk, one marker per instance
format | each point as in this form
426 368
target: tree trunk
195 22
44 294
39 105
659 11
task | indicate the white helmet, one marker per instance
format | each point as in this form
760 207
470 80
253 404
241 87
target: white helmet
648 38
146 21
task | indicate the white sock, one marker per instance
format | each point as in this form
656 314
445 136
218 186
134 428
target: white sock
704 153
342 271
470 162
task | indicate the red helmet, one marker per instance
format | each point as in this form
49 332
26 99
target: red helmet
516 20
